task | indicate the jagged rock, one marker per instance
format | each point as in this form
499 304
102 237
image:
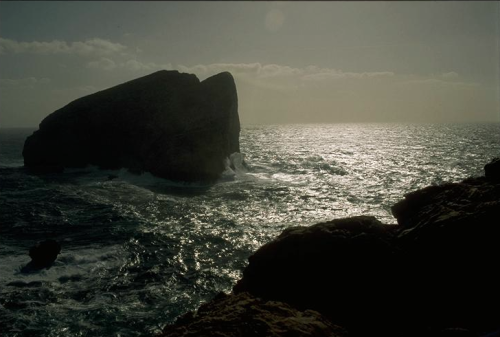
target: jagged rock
244 315
43 255
342 268
167 123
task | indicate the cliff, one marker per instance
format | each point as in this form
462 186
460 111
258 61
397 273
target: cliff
167 123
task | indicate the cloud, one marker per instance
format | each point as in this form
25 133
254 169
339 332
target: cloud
274 93
94 46
437 81
243 71
276 71
133 65
71 93
332 74
28 82
214 68
147 66
451 75
103 63
323 81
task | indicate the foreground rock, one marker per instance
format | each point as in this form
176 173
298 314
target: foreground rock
166 123
245 315
342 268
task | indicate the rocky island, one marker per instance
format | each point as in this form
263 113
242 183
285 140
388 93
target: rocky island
433 274
167 123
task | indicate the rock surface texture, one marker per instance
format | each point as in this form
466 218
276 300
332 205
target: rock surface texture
167 123
245 315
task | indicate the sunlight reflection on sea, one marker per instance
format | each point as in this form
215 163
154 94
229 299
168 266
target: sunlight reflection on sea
138 250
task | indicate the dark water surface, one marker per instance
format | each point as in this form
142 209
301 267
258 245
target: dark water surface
137 251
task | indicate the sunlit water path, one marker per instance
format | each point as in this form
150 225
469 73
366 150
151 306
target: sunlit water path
138 251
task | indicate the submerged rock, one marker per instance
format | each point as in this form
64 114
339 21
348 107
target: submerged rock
167 123
245 315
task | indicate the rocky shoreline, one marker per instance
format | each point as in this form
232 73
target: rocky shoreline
432 274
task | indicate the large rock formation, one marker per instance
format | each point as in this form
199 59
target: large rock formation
167 123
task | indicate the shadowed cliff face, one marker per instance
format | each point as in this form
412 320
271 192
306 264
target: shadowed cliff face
166 123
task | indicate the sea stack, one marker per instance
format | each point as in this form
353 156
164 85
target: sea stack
167 123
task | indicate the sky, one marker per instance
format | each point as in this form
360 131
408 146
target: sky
293 62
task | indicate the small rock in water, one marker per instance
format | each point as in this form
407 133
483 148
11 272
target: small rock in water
43 255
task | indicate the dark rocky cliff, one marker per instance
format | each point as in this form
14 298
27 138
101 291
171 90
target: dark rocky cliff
167 123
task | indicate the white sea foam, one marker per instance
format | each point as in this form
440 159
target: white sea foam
234 167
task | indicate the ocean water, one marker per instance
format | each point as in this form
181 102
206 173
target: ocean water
138 251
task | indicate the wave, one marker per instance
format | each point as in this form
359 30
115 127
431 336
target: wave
92 175
163 247
234 167
14 164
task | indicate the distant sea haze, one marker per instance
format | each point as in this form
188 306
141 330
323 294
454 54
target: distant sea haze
138 251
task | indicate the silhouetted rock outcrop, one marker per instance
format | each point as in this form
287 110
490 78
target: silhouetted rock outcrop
244 315
167 123
340 268
43 255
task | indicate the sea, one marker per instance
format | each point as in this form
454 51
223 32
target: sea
138 251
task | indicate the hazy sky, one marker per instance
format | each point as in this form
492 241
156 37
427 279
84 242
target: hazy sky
293 62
